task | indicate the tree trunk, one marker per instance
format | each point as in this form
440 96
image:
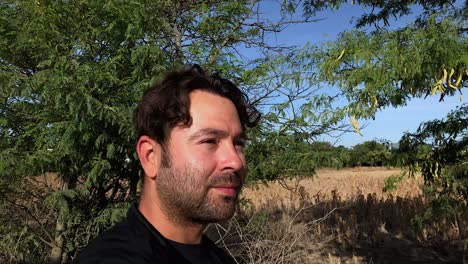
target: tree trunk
56 253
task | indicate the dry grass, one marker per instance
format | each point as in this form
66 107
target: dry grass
339 217
346 182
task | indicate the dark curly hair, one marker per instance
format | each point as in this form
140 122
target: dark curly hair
167 103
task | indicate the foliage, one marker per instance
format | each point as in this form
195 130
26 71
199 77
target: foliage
388 66
381 11
18 238
377 65
275 155
71 73
439 151
391 182
328 156
437 144
370 153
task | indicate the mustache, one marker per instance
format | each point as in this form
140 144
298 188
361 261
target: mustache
227 179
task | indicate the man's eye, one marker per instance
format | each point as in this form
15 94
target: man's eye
240 143
209 141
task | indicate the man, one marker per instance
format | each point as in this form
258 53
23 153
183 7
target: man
191 137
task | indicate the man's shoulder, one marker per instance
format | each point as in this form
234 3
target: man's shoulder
129 241
122 243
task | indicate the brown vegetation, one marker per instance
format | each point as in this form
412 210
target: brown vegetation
339 217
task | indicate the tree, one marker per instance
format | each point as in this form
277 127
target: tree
68 87
329 156
370 153
276 156
385 67
376 66
437 144
71 73
439 151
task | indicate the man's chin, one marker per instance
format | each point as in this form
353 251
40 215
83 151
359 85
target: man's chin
223 209
215 217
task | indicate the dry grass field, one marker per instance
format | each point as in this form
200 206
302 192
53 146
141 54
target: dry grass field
346 182
339 216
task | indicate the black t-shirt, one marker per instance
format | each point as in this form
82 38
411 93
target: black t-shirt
196 254
135 240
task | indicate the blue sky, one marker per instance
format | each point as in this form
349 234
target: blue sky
390 123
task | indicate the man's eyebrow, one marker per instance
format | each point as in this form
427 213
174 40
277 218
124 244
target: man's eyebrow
214 132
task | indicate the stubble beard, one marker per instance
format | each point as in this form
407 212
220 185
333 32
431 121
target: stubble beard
187 199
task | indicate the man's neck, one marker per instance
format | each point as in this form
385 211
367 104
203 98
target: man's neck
173 229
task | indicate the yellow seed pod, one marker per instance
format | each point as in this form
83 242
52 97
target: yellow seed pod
449 81
354 122
341 55
460 75
452 71
436 87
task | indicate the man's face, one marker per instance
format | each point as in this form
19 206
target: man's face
207 163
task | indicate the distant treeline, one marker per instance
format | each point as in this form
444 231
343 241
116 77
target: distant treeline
288 155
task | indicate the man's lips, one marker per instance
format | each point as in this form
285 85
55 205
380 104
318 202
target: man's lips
229 190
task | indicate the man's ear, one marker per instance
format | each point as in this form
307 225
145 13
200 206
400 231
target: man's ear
149 153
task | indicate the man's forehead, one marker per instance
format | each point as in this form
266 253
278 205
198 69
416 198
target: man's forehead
210 131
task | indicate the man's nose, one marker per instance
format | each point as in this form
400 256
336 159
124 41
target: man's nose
231 158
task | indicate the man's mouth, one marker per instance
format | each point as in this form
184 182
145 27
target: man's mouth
227 184
228 190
